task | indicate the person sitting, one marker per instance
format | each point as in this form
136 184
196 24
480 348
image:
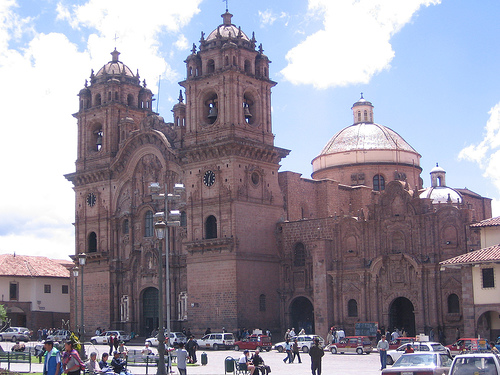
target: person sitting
118 364
103 363
244 363
258 362
19 347
146 351
122 349
92 366
409 349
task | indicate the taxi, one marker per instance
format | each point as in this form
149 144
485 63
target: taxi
394 344
254 342
467 344
352 344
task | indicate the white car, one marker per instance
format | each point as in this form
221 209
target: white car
216 341
15 334
475 363
59 335
304 342
418 346
103 338
175 338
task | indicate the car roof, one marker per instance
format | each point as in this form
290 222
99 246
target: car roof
478 354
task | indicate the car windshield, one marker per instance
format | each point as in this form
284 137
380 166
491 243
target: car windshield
438 347
474 365
416 360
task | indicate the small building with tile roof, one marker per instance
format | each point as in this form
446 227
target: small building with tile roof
480 271
35 290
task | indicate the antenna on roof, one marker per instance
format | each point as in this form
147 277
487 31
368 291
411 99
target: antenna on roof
227 7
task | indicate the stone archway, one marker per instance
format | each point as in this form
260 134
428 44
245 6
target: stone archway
302 315
402 316
149 311
488 325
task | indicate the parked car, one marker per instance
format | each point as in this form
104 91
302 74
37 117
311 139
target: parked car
254 342
175 339
304 341
103 338
465 344
475 363
352 344
15 334
216 341
418 346
428 363
394 344
59 335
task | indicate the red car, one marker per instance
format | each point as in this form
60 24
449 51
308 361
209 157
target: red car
352 344
254 342
465 344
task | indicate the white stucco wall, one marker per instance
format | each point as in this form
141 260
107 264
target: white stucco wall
482 295
31 289
490 236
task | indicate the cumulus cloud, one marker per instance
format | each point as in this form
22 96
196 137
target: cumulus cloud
268 17
43 77
353 44
487 152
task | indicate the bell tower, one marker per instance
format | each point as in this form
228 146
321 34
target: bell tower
231 175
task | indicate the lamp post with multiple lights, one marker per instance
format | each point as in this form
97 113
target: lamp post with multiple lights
82 258
163 220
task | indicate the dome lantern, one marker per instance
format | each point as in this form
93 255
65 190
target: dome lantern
362 111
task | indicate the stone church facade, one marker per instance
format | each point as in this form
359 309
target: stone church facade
359 242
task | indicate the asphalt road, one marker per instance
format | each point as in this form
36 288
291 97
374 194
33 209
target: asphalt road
367 364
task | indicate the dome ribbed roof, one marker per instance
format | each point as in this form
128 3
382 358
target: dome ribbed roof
227 29
115 67
442 194
366 136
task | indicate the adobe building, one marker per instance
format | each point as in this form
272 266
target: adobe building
360 241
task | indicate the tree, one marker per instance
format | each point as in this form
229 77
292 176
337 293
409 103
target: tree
3 313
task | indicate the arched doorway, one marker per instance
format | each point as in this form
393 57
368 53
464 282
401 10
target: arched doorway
149 311
488 325
401 315
302 315
17 316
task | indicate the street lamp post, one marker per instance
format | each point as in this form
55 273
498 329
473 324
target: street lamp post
82 258
75 274
162 222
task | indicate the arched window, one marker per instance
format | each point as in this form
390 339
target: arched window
130 100
359 116
366 116
148 224
190 71
299 255
262 302
248 67
125 227
210 66
453 304
92 243
352 308
184 219
378 182
211 227
98 99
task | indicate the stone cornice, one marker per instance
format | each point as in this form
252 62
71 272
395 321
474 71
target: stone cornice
233 147
88 177
215 245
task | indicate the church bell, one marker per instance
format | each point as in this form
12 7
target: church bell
212 113
246 112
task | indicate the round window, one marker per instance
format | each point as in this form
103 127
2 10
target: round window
255 178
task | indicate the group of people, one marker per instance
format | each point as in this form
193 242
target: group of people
334 335
253 363
290 333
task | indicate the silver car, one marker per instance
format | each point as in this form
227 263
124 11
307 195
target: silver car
15 334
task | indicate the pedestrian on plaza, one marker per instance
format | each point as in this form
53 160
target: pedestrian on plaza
296 351
316 353
288 350
244 363
382 348
329 336
182 356
71 361
191 347
111 343
259 364
52 363
116 342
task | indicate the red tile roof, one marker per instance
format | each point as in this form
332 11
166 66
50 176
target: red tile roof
486 255
31 266
493 222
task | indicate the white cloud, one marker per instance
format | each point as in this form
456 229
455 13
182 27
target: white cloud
354 43
267 17
487 152
43 80
181 43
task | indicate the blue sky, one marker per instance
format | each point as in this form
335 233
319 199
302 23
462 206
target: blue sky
428 66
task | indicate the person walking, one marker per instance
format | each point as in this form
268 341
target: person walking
52 363
71 361
191 347
288 350
296 351
382 348
182 357
111 342
316 353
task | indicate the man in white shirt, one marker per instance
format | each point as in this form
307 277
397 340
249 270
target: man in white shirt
182 356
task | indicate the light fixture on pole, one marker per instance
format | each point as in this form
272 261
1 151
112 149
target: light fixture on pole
75 275
171 219
82 258
160 229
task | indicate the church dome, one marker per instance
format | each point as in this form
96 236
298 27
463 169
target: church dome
365 142
115 67
227 30
442 194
